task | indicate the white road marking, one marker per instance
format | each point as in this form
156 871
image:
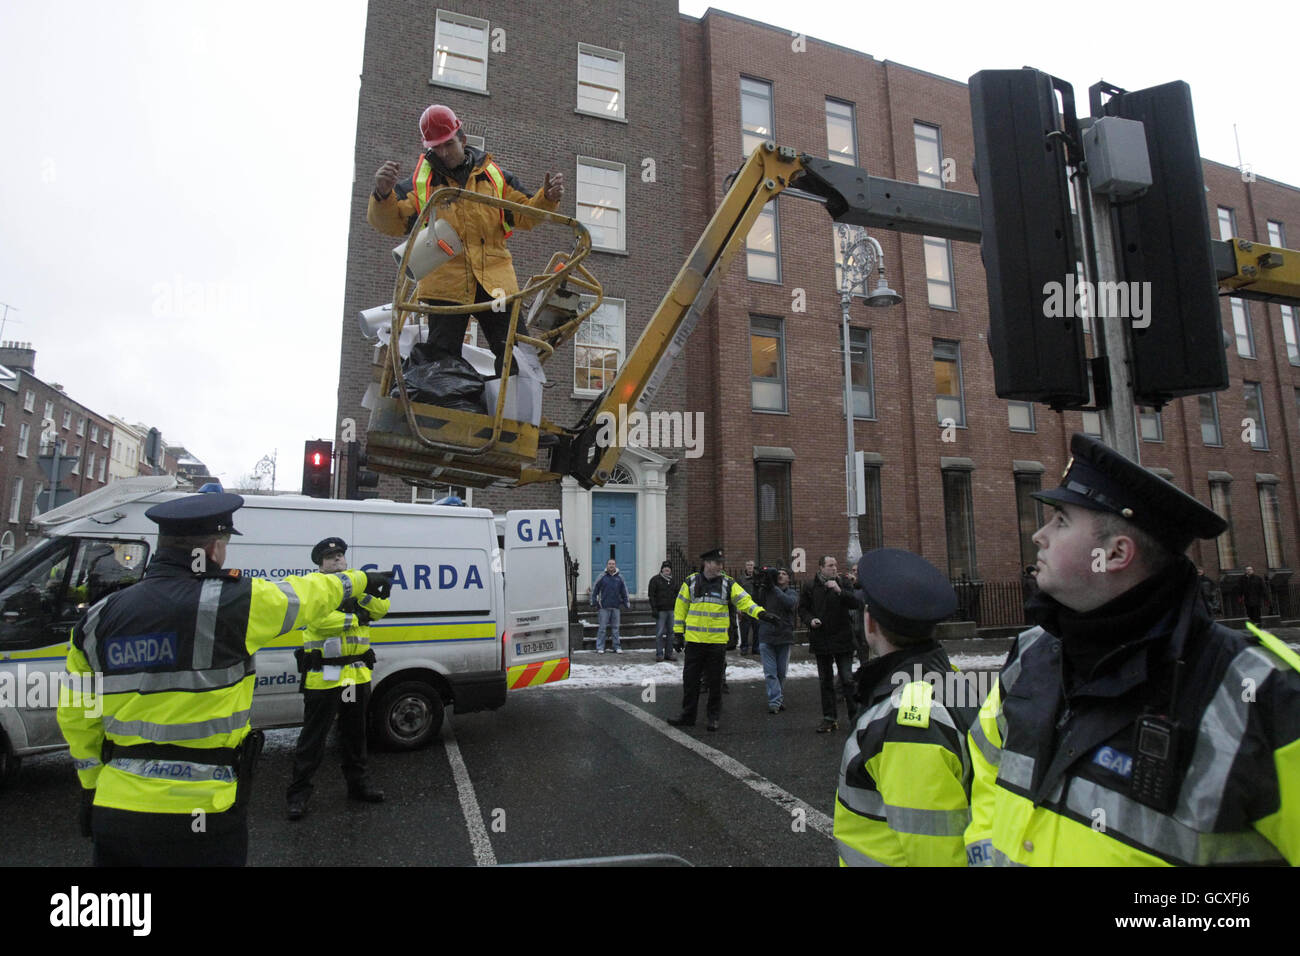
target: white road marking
756 782
478 834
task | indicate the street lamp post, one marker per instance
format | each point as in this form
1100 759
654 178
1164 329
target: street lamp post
265 466
859 252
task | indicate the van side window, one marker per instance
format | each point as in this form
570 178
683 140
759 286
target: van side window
100 568
30 600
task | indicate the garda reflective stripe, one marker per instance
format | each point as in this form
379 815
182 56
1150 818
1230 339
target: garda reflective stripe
855 857
91 642
927 822
980 853
290 612
347 584
1163 834
1218 739
1016 769
147 682
172 769
424 187
989 750
867 803
1001 859
170 733
87 764
1275 645
1011 673
205 626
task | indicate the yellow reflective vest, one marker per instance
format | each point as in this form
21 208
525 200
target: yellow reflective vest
1056 784
904 785
169 661
483 229
702 612
354 639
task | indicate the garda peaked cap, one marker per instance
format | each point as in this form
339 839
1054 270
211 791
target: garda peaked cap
905 593
713 555
198 514
1099 478
325 547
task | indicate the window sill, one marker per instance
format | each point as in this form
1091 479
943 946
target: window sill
769 411
776 282
455 86
604 116
1023 431
612 252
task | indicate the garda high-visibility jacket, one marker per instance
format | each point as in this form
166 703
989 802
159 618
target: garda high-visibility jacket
1057 780
483 229
176 654
354 637
903 797
701 614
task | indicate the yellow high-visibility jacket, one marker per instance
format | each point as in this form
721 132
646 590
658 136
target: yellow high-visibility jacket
903 795
484 258
175 652
1056 781
355 638
701 614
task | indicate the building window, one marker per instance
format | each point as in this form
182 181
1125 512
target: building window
1292 333
81 427
1029 513
1209 405
959 524
427 496
1270 513
1149 423
1227 223
1221 503
938 273
772 499
755 114
103 464
598 347
601 200
76 460
763 247
871 533
67 418
1276 237
864 400
600 81
2 414
94 433
460 51
29 401
841 136
947 382
1241 324
929 155
90 466
24 436
767 356
1255 416
16 501
49 413
1020 416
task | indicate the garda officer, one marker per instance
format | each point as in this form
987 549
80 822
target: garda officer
700 624
336 659
905 775
165 754
1128 728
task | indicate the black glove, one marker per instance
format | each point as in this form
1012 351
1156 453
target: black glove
767 617
350 606
85 813
679 642
379 583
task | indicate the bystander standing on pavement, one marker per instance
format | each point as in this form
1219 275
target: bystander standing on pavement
824 604
1254 594
776 639
609 595
663 598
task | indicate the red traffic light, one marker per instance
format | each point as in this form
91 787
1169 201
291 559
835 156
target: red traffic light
317 459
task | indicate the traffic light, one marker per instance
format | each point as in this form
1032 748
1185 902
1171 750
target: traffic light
357 477
1028 242
317 459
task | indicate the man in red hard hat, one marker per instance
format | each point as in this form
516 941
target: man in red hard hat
482 271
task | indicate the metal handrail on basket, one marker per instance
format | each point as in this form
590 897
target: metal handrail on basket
562 267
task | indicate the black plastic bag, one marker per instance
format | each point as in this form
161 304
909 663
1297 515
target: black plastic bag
447 381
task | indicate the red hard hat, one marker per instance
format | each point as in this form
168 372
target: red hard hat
437 125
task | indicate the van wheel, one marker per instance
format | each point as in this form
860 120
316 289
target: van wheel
9 764
407 716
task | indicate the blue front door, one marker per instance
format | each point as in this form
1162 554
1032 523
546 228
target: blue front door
613 535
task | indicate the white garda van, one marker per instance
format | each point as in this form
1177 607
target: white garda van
478 603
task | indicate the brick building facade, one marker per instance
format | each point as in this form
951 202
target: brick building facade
765 365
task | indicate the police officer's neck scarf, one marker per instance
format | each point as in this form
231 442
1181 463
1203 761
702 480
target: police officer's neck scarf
1089 637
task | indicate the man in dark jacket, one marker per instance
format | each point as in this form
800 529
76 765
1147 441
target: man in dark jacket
663 598
825 605
1254 593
